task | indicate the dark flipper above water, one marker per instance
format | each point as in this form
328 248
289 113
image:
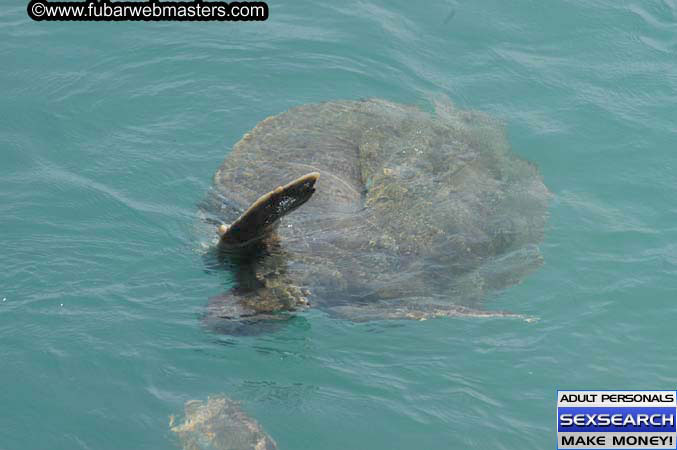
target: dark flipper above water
262 216
263 291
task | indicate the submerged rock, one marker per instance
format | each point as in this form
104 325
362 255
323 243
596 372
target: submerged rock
219 424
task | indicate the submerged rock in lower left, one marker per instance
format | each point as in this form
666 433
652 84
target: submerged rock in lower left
220 424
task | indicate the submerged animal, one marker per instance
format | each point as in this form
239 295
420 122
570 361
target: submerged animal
219 424
402 214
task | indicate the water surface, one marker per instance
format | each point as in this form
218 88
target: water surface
109 136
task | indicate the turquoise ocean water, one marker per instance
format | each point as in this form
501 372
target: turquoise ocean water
109 136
